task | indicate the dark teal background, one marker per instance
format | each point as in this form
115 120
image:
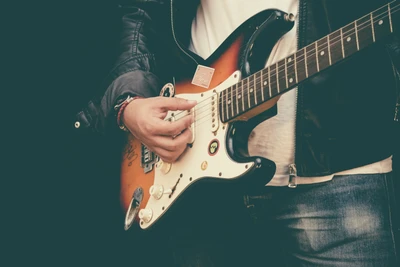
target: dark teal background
60 202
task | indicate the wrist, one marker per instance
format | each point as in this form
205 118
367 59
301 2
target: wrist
120 108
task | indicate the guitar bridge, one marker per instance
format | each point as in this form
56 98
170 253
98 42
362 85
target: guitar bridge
148 159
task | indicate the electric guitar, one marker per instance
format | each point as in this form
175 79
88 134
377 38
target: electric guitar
225 114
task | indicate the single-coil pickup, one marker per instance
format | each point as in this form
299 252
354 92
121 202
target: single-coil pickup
214 113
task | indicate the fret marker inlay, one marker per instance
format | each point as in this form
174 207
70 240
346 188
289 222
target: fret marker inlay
287 73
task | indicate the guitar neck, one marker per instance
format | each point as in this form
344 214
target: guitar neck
287 73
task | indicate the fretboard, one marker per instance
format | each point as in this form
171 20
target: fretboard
287 73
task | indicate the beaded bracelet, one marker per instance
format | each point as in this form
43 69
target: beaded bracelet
122 107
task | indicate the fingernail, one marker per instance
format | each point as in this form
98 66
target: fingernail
192 101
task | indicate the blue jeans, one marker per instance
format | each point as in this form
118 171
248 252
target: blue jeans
344 222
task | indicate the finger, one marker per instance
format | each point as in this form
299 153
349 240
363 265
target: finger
176 127
185 137
165 155
157 146
170 143
175 103
169 156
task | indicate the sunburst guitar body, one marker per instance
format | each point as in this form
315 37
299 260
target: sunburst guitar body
241 94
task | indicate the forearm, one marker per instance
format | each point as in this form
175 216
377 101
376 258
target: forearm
135 71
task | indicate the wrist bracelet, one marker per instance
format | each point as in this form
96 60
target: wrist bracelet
121 107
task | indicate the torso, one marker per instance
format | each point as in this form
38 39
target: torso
215 21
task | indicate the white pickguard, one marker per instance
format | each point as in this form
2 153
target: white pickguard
196 162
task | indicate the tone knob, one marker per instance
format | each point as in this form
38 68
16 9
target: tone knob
157 191
146 215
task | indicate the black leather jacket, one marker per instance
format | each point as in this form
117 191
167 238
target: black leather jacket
344 117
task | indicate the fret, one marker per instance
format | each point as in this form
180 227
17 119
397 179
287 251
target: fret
269 82
295 67
235 109
356 30
257 87
227 106
335 44
323 53
366 34
390 17
239 99
273 80
328 41
262 86
226 103
394 16
265 83
372 27
316 55
243 97
349 39
305 61
341 41
221 105
282 75
300 66
236 98
277 76
291 71
231 101
382 23
251 90
246 95
311 60
287 83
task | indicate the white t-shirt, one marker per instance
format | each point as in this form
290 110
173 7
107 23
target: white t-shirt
274 138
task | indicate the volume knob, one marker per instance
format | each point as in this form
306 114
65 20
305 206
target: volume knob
164 167
156 191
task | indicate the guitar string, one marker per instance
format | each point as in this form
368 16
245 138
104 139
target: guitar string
301 59
324 45
198 118
309 55
369 22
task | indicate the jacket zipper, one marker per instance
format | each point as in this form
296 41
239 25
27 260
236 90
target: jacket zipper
174 36
292 167
397 107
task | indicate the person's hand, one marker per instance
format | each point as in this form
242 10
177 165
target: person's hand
145 120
